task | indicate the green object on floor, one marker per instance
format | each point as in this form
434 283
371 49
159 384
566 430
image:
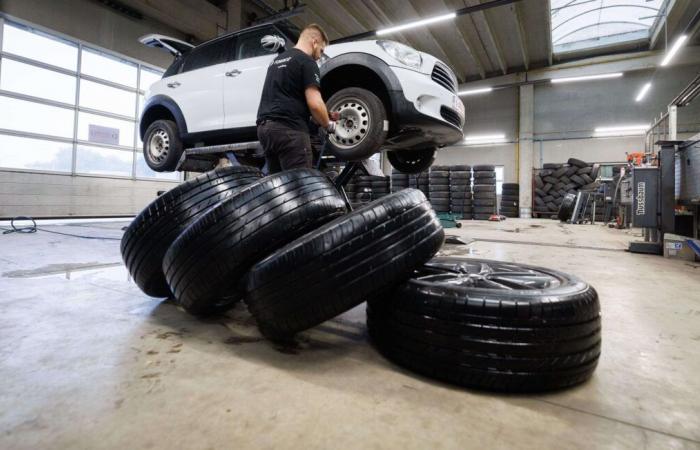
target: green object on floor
448 220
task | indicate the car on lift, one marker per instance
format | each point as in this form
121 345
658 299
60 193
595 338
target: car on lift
389 96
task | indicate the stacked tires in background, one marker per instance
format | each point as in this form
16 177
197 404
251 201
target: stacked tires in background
399 181
484 191
363 189
461 191
439 188
419 181
510 200
554 181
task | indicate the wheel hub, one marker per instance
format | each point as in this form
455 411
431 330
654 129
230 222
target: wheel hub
489 275
159 145
353 124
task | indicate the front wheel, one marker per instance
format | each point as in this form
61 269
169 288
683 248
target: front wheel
361 129
412 161
162 146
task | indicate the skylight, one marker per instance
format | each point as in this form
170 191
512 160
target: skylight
584 24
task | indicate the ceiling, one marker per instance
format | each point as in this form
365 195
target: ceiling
488 43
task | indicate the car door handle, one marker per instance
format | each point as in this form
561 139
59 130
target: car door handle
174 84
233 73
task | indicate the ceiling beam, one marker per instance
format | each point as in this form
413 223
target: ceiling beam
337 15
482 24
520 31
365 18
548 27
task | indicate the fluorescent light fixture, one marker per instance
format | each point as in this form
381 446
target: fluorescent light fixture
587 77
623 130
643 92
475 91
484 139
418 23
674 49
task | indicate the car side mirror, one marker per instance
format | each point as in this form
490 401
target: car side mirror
272 43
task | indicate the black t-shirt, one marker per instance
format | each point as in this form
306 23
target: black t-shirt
283 98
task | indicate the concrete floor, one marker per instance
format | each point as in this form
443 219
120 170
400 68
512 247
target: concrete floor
88 361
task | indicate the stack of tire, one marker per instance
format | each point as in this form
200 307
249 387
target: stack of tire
285 244
484 188
510 200
351 190
399 181
420 181
380 187
554 181
439 188
517 328
461 191
363 189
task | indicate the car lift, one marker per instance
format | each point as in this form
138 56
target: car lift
203 159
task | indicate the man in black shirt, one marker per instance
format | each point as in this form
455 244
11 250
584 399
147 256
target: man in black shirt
291 93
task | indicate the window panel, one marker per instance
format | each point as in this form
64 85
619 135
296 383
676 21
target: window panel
39 46
148 77
108 68
31 117
499 180
31 80
106 98
36 154
208 55
104 161
143 171
105 130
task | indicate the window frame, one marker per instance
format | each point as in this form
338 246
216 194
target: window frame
224 56
75 105
272 28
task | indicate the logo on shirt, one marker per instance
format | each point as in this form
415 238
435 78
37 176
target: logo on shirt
283 60
318 79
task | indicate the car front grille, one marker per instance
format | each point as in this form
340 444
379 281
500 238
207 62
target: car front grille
451 116
443 76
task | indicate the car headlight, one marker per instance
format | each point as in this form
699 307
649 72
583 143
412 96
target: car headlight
402 53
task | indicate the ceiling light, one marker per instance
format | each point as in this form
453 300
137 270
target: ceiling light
475 91
674 49
643 92
624 130
417 23
484 138
587 77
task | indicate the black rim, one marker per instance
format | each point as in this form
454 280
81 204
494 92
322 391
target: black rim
488 275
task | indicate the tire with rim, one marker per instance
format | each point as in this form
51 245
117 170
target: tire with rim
149 235
490 325
341 264
412 161
360 130
209 259
162 146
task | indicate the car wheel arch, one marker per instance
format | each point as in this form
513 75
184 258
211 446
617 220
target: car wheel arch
162 107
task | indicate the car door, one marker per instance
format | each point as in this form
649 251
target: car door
198 86
246 76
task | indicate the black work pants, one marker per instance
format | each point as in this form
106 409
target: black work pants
284 147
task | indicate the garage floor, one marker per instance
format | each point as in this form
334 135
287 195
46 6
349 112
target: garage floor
87 361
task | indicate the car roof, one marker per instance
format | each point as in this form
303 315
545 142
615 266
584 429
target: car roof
283 28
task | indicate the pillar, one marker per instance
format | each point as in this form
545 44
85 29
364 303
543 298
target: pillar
526 148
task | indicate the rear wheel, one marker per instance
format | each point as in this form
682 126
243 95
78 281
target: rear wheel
360 130
412 161
162 146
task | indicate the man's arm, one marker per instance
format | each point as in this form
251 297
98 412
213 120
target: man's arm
317 106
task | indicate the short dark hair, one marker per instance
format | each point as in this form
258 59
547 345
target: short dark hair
317 27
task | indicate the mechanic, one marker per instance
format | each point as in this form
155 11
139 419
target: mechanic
292 92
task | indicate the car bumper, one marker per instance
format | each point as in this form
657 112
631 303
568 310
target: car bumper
424 113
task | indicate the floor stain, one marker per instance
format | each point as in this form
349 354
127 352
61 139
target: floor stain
239 340
55 269
150 375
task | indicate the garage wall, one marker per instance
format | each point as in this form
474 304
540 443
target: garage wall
105 179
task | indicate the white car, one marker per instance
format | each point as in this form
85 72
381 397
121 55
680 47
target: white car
390 97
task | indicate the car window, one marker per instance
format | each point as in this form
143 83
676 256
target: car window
174 67
248 45
207 54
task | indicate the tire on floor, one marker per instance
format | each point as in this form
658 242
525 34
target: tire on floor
209 259
149 235
341 264
492 325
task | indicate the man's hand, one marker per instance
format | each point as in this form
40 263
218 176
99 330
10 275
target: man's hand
334 115
330 129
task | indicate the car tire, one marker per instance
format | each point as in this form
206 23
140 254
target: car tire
451 321
361 130
338 266
162 146
412 161
566 209
149 235
210 258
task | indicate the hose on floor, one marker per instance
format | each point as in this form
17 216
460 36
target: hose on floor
28 229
